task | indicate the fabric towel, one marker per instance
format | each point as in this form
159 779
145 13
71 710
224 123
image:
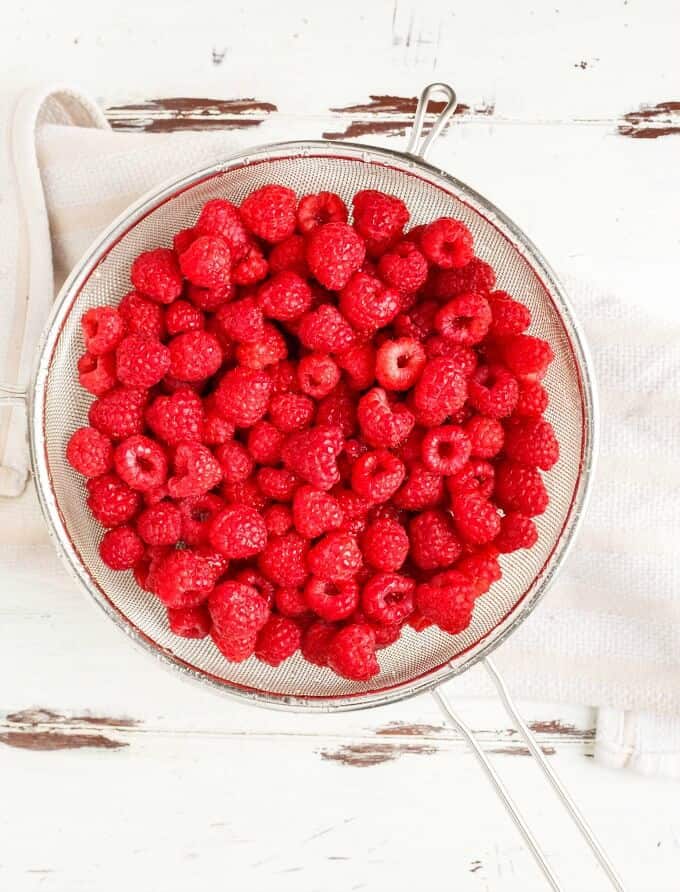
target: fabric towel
609 633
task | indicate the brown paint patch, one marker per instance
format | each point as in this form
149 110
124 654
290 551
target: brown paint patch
363 755
43 730
407 729
34 717
520 751
185 113
652 121
555 727
475 866
47 741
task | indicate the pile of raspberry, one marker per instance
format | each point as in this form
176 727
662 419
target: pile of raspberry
308 433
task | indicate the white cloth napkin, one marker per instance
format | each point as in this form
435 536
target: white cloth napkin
609 633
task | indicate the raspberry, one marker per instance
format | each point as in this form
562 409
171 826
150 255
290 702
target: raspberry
418 322
433 540
418 622
520 488
196 471
160 524
234 648
476 518
156 494
476 276
242 396
278 639
241 320
157 275
182 316
476 476
465 319
486 436
121 548
334 252
367 304
351 652
182 239
493 391
194 355
252 268
141 361
237 609
209 299
119 413
177 417
422 489
283 560
216 429
97 374
440 391
312 455
291 412
290 254
464 357
383 424
264 588
354 510
244 492
399 363
315 512
189 622
331 601
482 569
103 329
266 350
315 642
141 316
447 243
140 462
317 375
183 579
447 600
315 210
404 267
285 296
377 475
278 519
358 363
446 449
387 598
197 512
517 531
269 212
532 441
220 217
325 330
379 218
89 452
264 443
336 557
508 317
277 483
532 400
338 409
111 501
237 531
527 357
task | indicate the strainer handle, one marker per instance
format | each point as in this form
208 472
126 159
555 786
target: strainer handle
417 130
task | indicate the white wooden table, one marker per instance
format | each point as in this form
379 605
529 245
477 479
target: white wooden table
115 774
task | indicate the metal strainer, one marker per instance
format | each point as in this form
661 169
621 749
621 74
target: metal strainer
57 405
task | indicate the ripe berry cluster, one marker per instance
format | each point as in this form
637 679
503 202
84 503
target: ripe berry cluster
309 432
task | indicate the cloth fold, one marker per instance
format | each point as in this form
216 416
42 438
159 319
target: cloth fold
609 632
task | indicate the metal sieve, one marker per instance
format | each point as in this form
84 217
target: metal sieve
56 405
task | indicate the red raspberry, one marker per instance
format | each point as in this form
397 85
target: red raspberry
404 267
244 492
315 210
377 475
446 449
267 350
527 357
334 252
252 268
383 424
283 560
351 652
290 602
144 569
183 579
141 361
291 412
379 218
141 316
493 391
89 452
119 413
197 512
315 512
387 598
290 254
234 648
278 519
140 462
508 317
196 471
285 296
331 600
433 540
465 357
419 622
482 569
210 299
447 243
447 600
157 275
264 443
336 557
422 489
476 518
409 451
312 455
269 212
398 364
237 531
216 429
315 642
156 494
317 375
278 639
121 548
517 531
325 330
532 441
440 391
182 316
418 322
97 374
520 488
264 588
242 396
354 510
237 609
476 476
194 355
241 320
176 417
533 399
182 239
284 377
103 329
368 304
465 319
338 409
220 217
160 524
358 363
111 501
476 276
189 622
486 436
277 483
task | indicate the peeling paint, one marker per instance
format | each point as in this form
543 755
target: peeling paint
46 741
554 726
652 121
184 113
363 755
409 729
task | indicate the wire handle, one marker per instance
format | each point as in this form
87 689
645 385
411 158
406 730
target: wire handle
417 129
